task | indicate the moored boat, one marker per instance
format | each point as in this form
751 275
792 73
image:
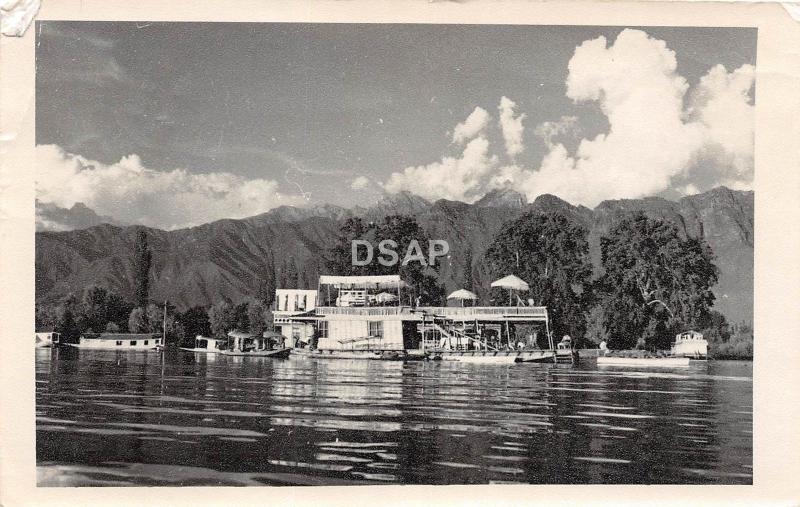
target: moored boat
269 344
47 339
118 341
659 362
690 344
206 345
347 321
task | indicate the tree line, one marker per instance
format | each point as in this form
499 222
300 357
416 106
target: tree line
651 284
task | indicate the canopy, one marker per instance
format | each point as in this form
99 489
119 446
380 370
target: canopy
462 294
272 335
363 282
511 282
239 334
385 297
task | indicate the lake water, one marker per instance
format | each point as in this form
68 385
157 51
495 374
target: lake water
131 418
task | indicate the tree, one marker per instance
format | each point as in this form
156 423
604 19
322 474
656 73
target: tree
422 279
596 329
94 308
654 282
137 322
142 260
551 253
46 317
256 317
112 327
67 325
222 318
265 291
467 281
195 322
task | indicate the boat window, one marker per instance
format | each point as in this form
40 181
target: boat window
323 329
119 342
146 342
157 341
133 342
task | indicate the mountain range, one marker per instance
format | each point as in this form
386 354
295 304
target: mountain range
226 259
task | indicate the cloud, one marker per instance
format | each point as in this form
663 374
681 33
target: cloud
457 178
132 193
661 135
511 126
549 130
359 183
475 123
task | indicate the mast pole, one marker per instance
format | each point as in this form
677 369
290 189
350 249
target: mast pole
164 327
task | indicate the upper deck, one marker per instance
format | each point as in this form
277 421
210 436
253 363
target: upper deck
456 313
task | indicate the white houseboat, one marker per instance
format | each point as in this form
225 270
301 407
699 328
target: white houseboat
355 323
290 303
690 344
119 341
48 339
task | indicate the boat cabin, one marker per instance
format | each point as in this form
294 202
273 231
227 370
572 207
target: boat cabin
690 344
248 342
211 344
119 341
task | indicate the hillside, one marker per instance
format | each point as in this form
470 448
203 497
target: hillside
226 259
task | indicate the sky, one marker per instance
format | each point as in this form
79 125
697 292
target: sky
176 124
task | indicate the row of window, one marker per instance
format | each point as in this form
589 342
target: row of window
375 328
134 342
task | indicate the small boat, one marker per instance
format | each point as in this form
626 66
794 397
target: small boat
494 356
659 362
269 344
690 344
118 341
48 339
206 345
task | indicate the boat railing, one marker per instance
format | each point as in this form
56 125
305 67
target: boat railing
443 311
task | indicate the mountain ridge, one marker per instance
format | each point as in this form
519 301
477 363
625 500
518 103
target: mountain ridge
226 258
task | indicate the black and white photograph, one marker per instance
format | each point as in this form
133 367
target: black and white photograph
332 254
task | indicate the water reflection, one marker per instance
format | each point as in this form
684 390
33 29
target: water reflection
143 418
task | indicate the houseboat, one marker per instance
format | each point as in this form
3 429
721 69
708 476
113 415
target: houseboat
119 341
270 344
354 323
690 344
644 361
205 345
48 339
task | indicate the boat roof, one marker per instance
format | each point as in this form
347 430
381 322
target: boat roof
362 282
121 336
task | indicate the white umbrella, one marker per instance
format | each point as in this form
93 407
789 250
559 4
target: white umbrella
462 294
511 282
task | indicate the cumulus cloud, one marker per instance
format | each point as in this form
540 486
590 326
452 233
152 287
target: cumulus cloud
359 183
475 123
511 126
661 134
132 193
457 178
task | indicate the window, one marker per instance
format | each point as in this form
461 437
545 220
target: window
146 342
133 343
119 342
158 341
323 329
376 328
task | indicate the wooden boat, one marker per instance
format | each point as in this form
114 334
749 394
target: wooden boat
118 341
274 353
493 356
658 362
250 345
690 344
205 345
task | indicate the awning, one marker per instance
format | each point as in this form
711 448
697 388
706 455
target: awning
363 282
511 282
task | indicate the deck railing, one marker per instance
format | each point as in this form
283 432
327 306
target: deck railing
452 312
